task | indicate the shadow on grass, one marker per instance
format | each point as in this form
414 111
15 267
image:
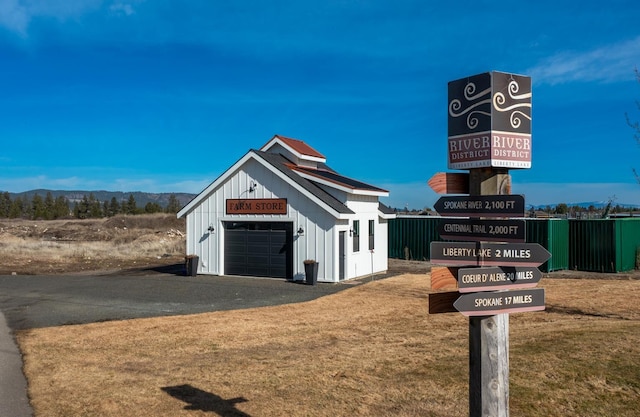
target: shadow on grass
550 308
200 400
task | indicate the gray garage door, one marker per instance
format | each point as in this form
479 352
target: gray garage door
259 249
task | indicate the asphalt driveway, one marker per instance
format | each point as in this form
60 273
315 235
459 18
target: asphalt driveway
42 301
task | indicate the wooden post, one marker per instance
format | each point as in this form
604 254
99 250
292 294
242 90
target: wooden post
489 335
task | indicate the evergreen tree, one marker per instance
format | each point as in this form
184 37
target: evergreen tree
562 208
37 207
131 205
61 207
17 208
114 207
95 210
82 208
5 204
173 205
152 207
49 206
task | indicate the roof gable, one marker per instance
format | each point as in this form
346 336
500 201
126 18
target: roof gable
296 147
304 169
275 163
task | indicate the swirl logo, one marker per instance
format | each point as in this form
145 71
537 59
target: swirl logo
472 111
517 107
470 104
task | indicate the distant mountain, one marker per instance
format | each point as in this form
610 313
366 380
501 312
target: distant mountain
587 204
141 198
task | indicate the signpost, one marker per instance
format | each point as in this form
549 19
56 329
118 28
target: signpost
488 254
497 278
499 302
481 206
489 132
480 229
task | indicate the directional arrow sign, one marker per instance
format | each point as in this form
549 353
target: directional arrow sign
497 278
487 230
499 302
449 183
488 254
509 205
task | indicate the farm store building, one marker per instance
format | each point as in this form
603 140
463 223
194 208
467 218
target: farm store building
281 205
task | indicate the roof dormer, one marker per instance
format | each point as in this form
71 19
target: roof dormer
295 150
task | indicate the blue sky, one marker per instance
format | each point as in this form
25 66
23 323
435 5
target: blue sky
163 96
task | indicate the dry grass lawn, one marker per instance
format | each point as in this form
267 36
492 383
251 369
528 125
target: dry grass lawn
371 350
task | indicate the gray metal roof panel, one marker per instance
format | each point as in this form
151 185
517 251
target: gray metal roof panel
384 209
281 163
332 176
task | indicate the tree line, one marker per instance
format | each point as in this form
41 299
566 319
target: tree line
50 208
560 210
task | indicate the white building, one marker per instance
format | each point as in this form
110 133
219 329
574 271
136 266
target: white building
281 205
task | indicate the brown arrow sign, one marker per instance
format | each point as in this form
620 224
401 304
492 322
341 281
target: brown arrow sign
444 278
508 205
450 183
497 278
480 229
488 254
500 302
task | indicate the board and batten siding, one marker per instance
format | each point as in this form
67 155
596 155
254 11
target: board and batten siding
318 225
364 262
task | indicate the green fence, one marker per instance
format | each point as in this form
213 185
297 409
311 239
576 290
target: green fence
553 235
628 237
610 245
411 236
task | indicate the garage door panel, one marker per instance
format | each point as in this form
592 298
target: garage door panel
236 259
236 239
278 271
256 240
256 249
258 260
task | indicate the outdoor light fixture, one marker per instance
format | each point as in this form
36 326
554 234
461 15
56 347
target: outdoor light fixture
300 231
211 229
350 232
252 186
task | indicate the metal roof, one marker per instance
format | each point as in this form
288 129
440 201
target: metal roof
284 165
333 177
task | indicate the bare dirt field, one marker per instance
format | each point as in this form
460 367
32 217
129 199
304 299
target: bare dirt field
370 350
31 247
